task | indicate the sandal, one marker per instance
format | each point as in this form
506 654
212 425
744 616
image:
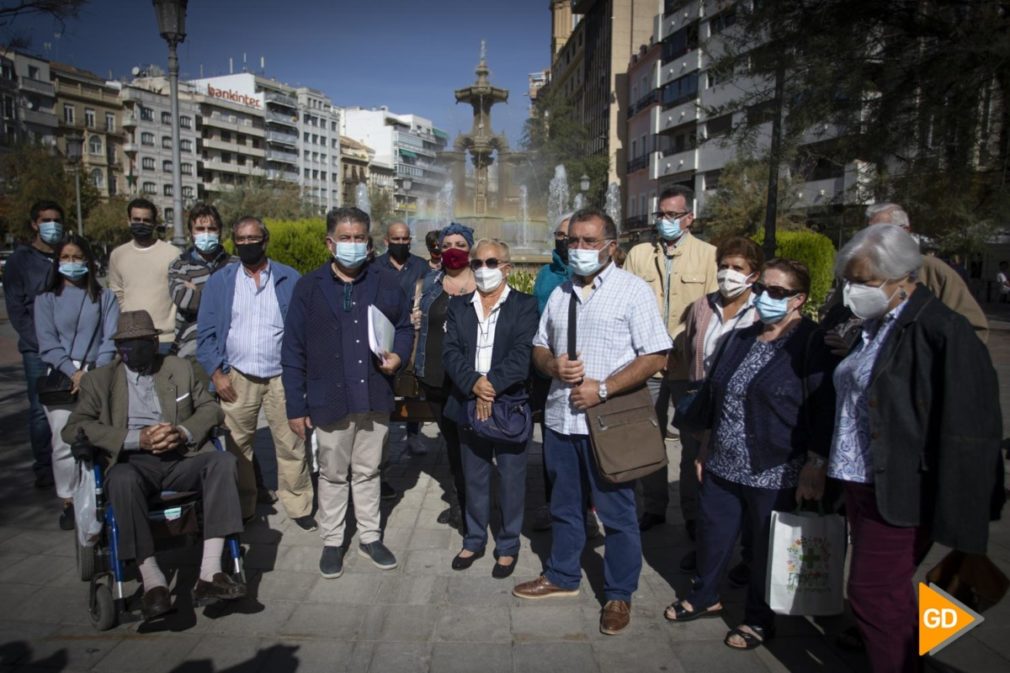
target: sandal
751 641
682 614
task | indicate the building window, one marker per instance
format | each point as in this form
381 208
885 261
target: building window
151 188
185 122
186 145
186 168
146 114
167 190
94 145
166 117
110 122
722 21
89 118
147 138
170 214
719 127
97 178
187 192
166 142
68 114
226 157
33 72
8 107
147 163
166 166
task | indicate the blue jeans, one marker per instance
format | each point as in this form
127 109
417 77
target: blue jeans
572 469
724 508
38 427
477 455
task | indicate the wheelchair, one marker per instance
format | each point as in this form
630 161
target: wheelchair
171 514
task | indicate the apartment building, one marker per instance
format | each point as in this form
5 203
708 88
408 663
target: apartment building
147 146
88 108
319 126
27 100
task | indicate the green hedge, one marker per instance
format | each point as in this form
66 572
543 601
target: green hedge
813 249
297 243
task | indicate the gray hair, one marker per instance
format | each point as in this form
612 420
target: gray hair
562 218
503 248
250 219
890 250
896 213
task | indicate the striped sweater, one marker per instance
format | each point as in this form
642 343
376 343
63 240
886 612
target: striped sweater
186 277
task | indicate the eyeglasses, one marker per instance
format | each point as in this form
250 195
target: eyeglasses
490 262
659 215
774 291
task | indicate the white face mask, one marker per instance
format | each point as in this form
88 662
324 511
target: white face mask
865 301
488 280
732 283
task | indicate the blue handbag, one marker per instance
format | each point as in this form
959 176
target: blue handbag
511 419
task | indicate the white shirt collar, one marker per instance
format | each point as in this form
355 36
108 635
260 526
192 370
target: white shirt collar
475 300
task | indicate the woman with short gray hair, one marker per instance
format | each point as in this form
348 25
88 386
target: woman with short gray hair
918 457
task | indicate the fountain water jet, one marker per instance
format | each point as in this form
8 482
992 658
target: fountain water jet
361 199
557 198
613 205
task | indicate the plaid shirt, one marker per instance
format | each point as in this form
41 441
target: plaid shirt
192 267
617 323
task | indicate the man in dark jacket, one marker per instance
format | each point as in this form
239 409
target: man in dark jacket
26 275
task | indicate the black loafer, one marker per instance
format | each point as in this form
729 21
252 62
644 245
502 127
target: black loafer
464 562
649 521
155 603
222 588
500 572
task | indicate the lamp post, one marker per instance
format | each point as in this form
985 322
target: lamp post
172 26
584 183
75 148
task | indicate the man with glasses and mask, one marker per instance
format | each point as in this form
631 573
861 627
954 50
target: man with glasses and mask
26 275
680 269
621 341
339 388
240 326
150 417
138 271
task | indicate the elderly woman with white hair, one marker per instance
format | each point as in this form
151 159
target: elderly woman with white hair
917 435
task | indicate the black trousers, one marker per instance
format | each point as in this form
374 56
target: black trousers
141 475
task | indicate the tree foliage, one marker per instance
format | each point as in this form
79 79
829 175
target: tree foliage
911 88
106 224
554 134
30 173
263 198
383 209
10 12
738 206
817 252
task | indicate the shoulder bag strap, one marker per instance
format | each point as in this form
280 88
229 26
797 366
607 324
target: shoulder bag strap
94 334
413 307
572 324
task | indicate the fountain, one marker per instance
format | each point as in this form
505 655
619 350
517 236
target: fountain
557 199
523 237
579 202
444 205
361 199
613 204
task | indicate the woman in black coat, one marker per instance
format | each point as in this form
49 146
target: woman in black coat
917 437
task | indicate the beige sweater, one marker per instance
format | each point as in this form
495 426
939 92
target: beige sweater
139 277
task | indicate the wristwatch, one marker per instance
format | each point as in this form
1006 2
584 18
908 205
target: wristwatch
603 391
816 460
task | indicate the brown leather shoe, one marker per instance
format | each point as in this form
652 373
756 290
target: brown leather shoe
541 588
615 617
155 603
222 588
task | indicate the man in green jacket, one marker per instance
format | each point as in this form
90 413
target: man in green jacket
150 418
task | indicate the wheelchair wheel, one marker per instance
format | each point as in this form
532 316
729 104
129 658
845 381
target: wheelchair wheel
103 608
87 560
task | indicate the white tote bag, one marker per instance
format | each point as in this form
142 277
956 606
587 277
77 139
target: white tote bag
85 507
806 561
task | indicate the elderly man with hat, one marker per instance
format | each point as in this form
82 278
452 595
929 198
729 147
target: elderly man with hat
150 418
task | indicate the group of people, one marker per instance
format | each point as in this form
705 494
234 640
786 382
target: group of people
769 404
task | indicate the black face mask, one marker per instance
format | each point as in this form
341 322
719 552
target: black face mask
251 254
399 251
142 231
561 247
137 354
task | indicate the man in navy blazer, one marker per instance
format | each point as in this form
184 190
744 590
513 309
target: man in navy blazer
339 388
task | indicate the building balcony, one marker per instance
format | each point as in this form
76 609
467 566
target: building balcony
282 138
674 164
638 163
286 119
219 166
131 148
129 120
677 17
281 99
238 124
280 155
275 174
685 113
36 86
39 118
680 66
643 102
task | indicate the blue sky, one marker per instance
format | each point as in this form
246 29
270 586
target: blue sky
407 55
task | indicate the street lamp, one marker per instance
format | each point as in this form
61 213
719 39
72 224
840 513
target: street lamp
584 183
75 148
172 26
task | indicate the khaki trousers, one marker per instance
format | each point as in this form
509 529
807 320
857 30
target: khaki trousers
350 452
294 485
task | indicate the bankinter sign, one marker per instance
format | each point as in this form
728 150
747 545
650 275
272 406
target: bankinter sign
233 96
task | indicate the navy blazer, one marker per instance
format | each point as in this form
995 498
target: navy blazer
510 357
312 355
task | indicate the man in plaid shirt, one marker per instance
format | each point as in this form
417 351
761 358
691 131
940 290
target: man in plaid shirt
621 342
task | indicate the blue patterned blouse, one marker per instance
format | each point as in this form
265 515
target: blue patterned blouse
850 458
730 457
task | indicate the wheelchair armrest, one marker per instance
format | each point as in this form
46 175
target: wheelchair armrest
219 431
81 449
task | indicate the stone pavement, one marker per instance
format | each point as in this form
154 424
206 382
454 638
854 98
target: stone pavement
421 616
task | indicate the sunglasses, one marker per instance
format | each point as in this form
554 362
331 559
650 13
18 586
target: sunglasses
490 262
774 291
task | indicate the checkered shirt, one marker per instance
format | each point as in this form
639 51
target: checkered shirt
619 322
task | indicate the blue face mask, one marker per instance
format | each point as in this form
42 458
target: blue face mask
207 242
584 262
669 229
73 270
51 232
351 255
771 310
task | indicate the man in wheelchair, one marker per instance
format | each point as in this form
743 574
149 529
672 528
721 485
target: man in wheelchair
150 418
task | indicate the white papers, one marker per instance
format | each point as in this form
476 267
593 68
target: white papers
380 333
